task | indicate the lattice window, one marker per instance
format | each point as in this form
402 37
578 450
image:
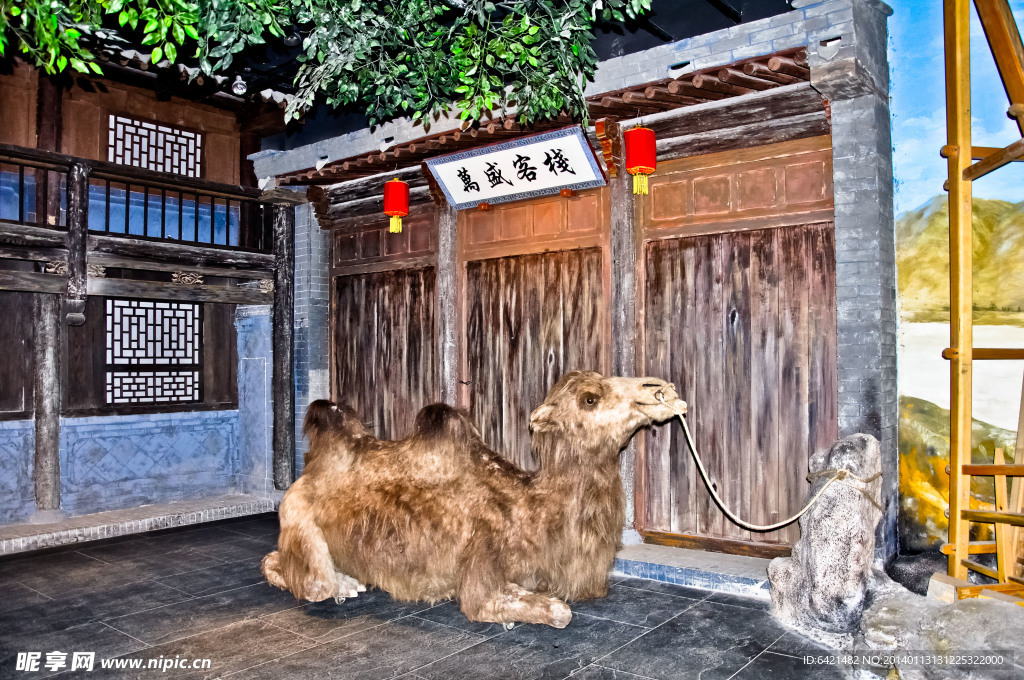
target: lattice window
154 146
153 352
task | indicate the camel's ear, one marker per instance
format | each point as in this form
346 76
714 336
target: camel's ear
542 417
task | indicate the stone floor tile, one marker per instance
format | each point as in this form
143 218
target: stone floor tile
386 651
216 579
202 614
782 667
91 637
637 606
15 596
709 641
535 652
596 672
328 620
666 588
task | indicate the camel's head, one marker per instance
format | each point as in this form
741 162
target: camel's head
606 410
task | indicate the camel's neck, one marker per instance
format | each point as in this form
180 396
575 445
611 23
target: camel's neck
581 474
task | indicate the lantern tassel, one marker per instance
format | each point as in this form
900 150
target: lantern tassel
395 227
640 184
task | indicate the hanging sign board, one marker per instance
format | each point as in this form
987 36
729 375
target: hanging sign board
538 165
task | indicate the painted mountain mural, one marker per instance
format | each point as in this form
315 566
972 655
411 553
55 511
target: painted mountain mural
922 258
922 261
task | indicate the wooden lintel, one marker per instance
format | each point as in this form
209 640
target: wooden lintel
29 236
165 290
138 264
182 253
32 282
995 161
33 254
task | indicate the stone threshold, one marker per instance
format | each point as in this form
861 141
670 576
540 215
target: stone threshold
735 574
17 538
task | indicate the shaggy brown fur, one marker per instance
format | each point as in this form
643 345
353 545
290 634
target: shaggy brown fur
439 515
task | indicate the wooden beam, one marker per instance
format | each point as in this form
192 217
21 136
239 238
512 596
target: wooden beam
33 254
956 15
994 470
761 71
982 152
973 548
723 545
78 229
105 260
987 353
46 310
29 236
32 282
282 382
1013 152
989 517
1004 40
165 290
179 253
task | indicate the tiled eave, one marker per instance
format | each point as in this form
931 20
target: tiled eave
737 79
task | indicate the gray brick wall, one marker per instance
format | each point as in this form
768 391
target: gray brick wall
312 300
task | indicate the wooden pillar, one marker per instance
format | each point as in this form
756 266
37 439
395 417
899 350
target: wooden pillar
46 354
283 382
447 304
49 130
78 216
623 256
961 341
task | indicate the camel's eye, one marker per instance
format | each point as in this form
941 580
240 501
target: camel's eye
588 400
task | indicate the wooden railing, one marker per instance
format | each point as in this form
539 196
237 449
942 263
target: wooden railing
126 201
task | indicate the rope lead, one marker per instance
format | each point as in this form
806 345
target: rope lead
839 475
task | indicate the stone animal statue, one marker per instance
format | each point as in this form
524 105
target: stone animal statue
439 515
821 588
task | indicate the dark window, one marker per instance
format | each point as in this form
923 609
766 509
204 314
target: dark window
153 352
151 355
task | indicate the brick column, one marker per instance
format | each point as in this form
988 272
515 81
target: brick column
852 73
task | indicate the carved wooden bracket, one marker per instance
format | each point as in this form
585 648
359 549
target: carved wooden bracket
607 131
187 278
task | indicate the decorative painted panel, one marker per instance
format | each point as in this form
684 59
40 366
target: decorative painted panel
544 223
773 185
373 244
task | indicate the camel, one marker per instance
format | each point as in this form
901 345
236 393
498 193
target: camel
438 515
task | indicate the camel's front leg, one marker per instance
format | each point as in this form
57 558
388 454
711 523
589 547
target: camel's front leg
512 604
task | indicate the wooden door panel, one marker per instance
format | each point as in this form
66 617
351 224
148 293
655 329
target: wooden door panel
384 346
529 318
744 324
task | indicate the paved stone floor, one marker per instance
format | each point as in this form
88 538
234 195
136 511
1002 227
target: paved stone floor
197 593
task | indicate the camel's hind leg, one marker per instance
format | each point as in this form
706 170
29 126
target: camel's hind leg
484 595
303 563
513 604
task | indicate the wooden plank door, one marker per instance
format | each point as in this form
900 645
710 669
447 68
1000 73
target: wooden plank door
533 295
530 318
738 309
384 346
744 323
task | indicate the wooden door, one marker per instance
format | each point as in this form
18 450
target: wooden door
383 329
384 346
738 290
534 280
530 318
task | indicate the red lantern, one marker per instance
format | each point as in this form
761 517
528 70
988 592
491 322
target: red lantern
641 156
396 203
